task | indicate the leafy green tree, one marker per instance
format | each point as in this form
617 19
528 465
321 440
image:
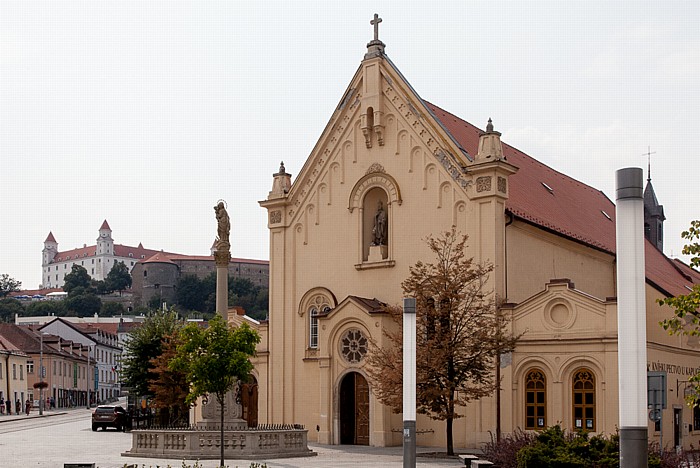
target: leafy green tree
190 293
8 308
8 285
82 305
214 360
145 343
112 309
459 333
42 308
118 278
78 281
686 320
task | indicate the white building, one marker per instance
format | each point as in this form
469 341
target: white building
97 259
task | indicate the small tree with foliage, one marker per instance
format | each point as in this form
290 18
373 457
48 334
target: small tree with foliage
168 386
459 333
8 285
78 281
145 343
9 307
214 359
118 278
686 320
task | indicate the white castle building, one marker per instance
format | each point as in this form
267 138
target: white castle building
98 259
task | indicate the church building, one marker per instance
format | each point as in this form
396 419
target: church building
391 169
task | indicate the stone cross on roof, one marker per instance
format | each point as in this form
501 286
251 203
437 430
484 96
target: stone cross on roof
375 22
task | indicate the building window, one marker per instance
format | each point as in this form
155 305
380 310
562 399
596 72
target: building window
696 419
354 346
535 400
30 367
584 400
14 371
21 372
313 328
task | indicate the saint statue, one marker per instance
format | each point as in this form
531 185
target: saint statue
379 232
223 228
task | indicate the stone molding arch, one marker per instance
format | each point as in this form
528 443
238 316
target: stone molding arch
310 296
370 181
533 362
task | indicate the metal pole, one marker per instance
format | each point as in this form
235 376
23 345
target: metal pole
409 382
87 378
631 317
41 374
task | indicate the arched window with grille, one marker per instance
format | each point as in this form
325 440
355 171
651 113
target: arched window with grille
535 400
583 388
313 328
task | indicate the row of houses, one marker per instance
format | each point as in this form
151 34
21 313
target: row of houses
80 360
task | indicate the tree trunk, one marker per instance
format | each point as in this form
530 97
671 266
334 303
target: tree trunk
450 444
221 420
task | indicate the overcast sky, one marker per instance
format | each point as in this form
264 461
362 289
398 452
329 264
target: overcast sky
147 113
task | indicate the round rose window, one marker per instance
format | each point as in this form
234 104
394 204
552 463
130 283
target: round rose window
353 346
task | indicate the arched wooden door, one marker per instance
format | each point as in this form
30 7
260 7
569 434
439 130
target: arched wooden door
354 410
249 401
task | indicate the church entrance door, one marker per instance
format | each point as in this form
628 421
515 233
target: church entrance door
354 410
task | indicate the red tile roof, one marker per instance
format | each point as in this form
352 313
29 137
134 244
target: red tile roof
565 206
50 237
105 226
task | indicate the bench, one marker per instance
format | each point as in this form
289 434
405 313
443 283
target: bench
467 459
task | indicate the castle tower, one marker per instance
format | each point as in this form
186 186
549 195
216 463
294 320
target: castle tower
50 249
105 243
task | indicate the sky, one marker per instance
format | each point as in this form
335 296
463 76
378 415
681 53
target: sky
147 113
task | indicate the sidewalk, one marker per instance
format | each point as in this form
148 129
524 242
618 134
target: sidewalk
34 413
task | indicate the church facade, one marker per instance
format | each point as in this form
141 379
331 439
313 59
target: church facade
391 169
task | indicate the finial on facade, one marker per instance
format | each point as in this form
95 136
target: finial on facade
489 126
282 169
375 48
648 155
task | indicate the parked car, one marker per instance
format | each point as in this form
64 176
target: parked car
106 416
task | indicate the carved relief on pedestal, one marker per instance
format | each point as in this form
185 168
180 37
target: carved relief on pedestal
275 217
483 184
502 184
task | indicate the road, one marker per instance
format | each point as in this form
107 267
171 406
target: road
66 437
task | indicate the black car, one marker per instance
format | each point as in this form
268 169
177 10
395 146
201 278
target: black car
109 416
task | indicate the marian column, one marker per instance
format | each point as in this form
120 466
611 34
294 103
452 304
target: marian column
222 257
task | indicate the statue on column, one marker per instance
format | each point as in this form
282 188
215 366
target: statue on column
379 232
223 228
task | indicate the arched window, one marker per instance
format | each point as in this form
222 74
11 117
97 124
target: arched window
535 400
583 388
313 328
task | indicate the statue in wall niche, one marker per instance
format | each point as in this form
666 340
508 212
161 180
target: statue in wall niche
379 231
223 228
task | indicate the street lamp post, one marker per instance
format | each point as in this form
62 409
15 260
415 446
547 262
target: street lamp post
409 382
41 374
87 379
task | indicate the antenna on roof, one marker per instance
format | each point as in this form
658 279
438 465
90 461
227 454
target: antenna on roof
648 155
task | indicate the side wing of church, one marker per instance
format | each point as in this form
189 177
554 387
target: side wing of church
391 169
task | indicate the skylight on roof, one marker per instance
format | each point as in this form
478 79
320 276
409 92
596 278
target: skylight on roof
549 189
606 215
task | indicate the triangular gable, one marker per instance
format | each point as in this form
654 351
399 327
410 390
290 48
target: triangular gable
406 124
560 310
353 304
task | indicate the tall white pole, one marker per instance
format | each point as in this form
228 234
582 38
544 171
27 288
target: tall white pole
631 318
409 382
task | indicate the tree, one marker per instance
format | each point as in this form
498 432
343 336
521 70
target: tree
85 304
214 360
459 333
169 387
8 285
118 278
145 343
112 309
43 308
8 308
190 293
77 281
686 320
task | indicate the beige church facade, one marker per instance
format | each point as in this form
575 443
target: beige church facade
391 169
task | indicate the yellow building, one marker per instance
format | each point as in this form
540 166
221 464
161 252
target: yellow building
551 240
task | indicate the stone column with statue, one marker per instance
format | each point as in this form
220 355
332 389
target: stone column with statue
222 257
